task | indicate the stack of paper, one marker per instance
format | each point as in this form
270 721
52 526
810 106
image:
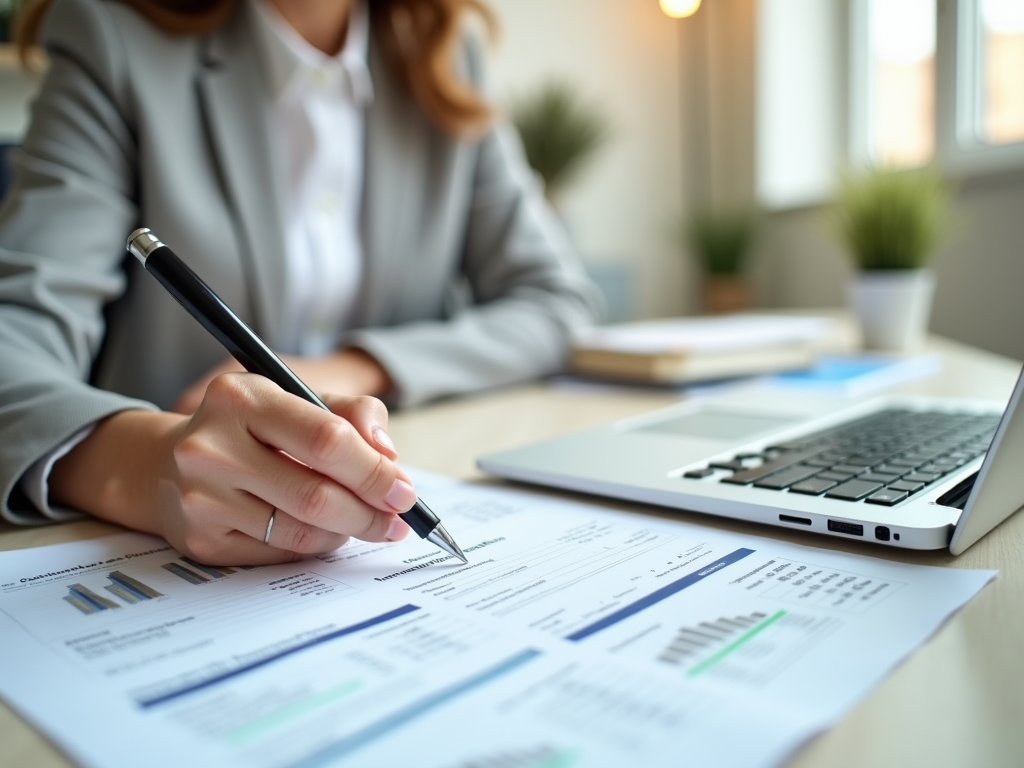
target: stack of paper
679 350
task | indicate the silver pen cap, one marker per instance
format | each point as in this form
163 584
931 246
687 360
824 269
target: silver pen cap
142 242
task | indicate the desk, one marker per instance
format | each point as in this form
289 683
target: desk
959 701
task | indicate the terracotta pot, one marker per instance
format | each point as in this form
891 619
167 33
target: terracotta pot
893 307
722 294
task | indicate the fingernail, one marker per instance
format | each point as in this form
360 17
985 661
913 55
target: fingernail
401 496
383 438
397 530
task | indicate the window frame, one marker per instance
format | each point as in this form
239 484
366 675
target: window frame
959 149
842 126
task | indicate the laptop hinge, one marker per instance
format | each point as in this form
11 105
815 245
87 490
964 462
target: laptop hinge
956 496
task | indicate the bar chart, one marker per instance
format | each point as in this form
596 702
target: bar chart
123 586
691 642
749 648
196 573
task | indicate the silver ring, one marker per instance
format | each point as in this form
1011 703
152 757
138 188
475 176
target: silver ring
270 526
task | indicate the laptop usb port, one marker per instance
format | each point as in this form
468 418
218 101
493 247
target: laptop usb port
851 529
791 519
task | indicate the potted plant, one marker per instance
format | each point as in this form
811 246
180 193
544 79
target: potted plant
891 223
560 133
720 240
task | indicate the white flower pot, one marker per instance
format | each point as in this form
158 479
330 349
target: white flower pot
893 307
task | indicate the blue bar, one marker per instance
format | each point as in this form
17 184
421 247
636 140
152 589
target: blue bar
212 572
396 720
118 578
657 596
163 698
99 603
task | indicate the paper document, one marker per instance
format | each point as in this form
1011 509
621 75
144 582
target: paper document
574 637
706 334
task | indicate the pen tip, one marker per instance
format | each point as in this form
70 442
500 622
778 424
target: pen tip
441 538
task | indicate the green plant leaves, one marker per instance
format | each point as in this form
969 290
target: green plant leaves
559 131
720 239
892 219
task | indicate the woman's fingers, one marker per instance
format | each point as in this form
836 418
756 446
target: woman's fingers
327 443
207 527
370 418
309 498
189 400
251 448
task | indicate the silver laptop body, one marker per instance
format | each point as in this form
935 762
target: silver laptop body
648 459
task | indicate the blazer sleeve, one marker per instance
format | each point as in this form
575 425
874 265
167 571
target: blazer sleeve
62 229
528 289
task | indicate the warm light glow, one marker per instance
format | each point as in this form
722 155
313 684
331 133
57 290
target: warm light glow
679 9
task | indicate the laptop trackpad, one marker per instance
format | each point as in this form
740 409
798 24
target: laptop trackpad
731 426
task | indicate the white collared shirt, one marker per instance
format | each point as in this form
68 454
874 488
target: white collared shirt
319 105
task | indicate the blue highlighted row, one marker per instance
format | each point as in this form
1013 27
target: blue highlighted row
657 596
164 698
402 717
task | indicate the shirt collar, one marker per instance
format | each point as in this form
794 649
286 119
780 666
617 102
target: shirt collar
290 63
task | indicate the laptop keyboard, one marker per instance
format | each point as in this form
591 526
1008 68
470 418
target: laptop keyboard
882 458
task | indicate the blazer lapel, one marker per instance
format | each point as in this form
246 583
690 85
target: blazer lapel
393 161
238 117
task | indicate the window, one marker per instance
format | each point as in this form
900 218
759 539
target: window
992 47
898 83
937 80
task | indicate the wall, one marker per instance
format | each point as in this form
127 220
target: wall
682 95
980 270
626 56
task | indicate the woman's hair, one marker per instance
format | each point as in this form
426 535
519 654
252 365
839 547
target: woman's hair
416 36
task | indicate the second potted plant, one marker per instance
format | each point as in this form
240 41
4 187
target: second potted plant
560 132
891 222
720 240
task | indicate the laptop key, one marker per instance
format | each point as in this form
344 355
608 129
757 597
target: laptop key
903 485
853 490
814 486
922 477
787 477
890 469
935 469
878 477
823 463
886 496
908 464
735 466
786 459
839 477
850 469
697 474
868 460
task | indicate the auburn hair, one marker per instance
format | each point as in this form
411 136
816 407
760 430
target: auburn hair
417 38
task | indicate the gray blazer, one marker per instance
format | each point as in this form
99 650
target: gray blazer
134 127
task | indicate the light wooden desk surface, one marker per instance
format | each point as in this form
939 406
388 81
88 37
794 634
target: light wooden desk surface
958 701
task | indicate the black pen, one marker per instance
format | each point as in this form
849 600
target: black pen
255 356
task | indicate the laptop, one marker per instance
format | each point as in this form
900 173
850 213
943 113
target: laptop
910 472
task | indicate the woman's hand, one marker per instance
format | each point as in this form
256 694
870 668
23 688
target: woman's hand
349 372
209 483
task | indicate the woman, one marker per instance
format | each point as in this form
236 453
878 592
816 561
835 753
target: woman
325 167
